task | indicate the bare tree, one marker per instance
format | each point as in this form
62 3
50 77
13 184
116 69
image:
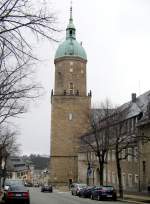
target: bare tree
98 138
16 86
19 18
8 147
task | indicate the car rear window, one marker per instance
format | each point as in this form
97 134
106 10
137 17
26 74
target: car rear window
18 187
14 182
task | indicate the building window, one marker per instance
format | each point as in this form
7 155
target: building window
136 179
71 69
18 175
124 179
71 88
123 153
130 180
113 178
71 92
109 177
71 63
129 154
113 155
82 71
105 175
135 153
144 167
71 85
108 156
70 116
70 32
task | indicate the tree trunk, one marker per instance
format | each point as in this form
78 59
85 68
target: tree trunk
119 176
87 178
101 169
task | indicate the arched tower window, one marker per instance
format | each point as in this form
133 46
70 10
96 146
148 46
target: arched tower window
70 116
71 88
71 32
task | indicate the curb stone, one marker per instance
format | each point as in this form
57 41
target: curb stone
132 201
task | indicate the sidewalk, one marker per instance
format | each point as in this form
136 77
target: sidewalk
137 197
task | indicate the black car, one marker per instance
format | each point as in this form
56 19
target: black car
17 193
47 188
104 192
86 192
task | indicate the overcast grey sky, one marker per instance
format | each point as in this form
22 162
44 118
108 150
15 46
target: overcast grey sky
116 37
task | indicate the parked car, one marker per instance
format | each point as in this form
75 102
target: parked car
104 192
86 192
76 187
1 194
47 188
17 193
36 185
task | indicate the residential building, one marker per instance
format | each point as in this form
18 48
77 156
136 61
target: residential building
17 169
135 168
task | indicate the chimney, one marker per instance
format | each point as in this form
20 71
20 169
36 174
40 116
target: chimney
133 97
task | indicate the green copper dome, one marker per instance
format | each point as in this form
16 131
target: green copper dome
70 47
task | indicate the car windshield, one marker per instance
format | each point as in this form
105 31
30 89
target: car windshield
14 182
98 187
108 188
82 185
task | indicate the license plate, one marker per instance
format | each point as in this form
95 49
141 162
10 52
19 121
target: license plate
109 196
18 195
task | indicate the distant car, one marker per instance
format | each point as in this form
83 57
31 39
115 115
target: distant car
36 185
47 188
28 184
104 192
76 187
17 193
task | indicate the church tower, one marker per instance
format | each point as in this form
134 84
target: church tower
70 108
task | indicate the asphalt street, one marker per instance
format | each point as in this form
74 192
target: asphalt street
57 197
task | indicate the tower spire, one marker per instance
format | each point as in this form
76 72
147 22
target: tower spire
70 31
71 19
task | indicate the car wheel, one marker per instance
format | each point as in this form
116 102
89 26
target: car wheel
27 202
98 197
114 198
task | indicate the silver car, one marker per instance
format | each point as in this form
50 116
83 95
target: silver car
76 187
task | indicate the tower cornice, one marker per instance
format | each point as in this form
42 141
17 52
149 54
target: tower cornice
74 58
